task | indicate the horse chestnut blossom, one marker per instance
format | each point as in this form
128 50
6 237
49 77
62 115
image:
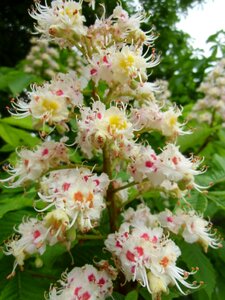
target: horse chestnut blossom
31 165
31 238
146 255
77 192
99 125
193 227
214 99
62 21
107 111
52 102
121 66
85 283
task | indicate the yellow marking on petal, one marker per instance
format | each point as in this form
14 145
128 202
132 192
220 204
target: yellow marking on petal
117 122
173 121
50 104
127 62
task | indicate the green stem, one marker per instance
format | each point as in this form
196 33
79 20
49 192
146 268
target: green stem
90 237
130 184
111 205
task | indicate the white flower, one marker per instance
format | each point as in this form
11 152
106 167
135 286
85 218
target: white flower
77 192
196 229
176 167
31 238
86 283
120 66
32 164
143 164
145 255
52 102
100 125
151 117
140 217
62 21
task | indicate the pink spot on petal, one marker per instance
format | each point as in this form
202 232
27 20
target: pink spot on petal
101 281
91 278
175 160
169 219
59 93
118 245
97 182
155 239
85 296
76 291
45 152
36 234
130 256
145 236
139 250
99 115
149 164
93 71
66 186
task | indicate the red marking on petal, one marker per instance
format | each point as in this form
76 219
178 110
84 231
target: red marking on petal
155 239
76 291
91 278
59 93
149 164
93 71
66 186
175 160
169 219
45 152
130 256
101 281
85 296
97 182
105 59
99 115
145 236
36 234
139 250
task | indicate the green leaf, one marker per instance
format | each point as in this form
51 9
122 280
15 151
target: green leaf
25 123
10 202
17 137
193 256
196 139
116 296
133 295
26 285
218 197
198 201
10 220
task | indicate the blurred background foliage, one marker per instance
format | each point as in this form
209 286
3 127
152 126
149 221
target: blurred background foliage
182 66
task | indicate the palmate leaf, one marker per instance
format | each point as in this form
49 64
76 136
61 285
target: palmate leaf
25 123
17 137
11 202
133 295
10 220
193 256
26 285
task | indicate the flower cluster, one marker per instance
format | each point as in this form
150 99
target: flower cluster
144 254
86 283
44 59
106 111
77 192
170 171
31 165
33 235
213 87
53 101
